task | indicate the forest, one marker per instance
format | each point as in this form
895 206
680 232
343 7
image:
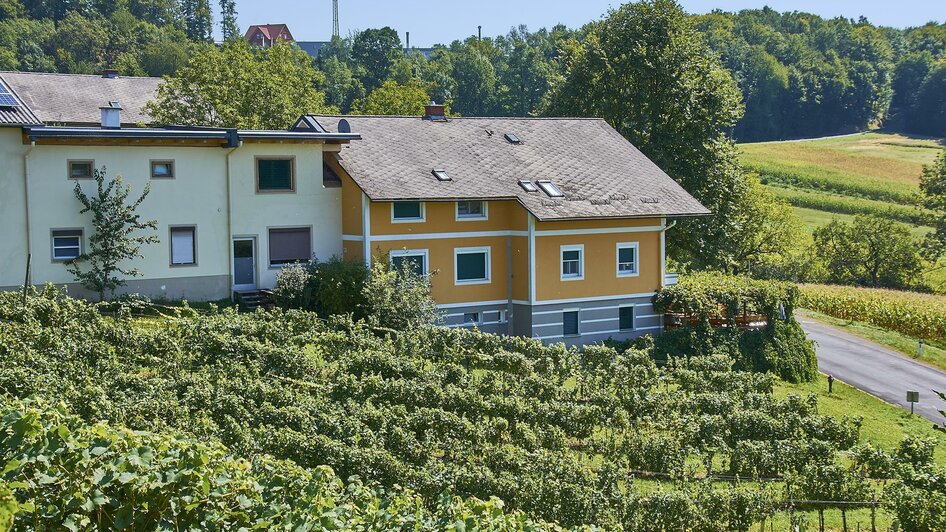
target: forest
799 75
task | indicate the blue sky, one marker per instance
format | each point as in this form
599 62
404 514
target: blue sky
431 21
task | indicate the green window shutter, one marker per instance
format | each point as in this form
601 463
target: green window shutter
626 318
570 323
471 266
275 174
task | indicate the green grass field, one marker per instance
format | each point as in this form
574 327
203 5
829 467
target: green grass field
839 177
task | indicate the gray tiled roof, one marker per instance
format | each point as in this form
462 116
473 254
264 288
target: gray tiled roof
601 173
75 99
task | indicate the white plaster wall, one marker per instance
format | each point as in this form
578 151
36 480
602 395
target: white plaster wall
311 205
12 211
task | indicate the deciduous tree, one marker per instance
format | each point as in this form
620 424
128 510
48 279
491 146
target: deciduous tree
392 98
115 238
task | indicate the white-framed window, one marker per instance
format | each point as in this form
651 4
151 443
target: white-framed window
573 262
471 317
162 169
626 318
183 246
628 259
571 322
471 265
408 211
67 244
416 259
472 210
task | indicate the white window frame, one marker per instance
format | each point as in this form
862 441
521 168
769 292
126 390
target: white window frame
577 312
477 321
489 265
52 242
580 248
633 317
473 217
411 253
423 214
637 259
550 188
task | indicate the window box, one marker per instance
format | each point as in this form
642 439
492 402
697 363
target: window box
573 262
628 259
408 212
66 244
183 246
275 174
471 210
289 245
471 265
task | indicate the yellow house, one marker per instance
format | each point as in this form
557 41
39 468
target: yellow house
547 228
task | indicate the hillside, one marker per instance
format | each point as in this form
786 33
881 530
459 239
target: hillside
838 177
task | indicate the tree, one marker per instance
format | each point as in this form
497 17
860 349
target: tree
228 20
198 20
476 82
768 231
928 114
392 98
870 251
238 86
933 187
375 51
113 240
648 72
908 76
398 299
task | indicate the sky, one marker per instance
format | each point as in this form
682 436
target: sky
442 21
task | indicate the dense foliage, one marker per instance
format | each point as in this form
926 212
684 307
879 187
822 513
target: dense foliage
933 186
559 433
718 315
910 313
67 474
870 251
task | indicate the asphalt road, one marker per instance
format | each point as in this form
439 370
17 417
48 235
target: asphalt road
876 369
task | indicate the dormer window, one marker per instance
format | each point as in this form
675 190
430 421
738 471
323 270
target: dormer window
549 188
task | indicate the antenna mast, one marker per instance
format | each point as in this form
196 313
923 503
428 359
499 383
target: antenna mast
335 31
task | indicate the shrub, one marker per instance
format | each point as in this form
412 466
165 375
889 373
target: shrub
780 347
326 288
398 299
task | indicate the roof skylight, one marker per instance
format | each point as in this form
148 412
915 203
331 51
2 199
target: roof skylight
528 186
442 175
513 138
549 188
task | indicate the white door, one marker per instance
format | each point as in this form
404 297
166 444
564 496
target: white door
244 264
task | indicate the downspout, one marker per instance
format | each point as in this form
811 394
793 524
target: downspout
366 227
233 148
663 251
26 201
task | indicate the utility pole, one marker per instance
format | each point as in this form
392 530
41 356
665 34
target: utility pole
335 30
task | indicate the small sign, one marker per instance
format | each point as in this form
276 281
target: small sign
913 397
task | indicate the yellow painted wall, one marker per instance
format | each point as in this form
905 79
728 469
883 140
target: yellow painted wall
596 224
441 218
351 201
353 251
440 257
600 263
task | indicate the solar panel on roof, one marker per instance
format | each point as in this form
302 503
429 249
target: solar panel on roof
7 99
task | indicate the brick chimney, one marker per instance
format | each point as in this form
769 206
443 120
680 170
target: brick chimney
435 112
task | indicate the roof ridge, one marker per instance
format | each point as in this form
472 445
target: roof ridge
452 118
2 72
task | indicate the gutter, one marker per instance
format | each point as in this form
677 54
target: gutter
228 135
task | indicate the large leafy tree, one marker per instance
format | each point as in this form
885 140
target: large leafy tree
475 79
238 86
648 72
376 51
118 232
392 98
228 20
870 251
933 186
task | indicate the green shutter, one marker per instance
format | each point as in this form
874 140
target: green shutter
471 266
626 318
274 174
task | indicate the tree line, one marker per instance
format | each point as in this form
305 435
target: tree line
798 75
